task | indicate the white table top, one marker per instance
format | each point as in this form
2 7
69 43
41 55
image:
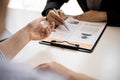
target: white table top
102 63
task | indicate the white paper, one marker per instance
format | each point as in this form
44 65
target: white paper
79 31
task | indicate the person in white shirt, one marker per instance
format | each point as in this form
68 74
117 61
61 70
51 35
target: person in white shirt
32 31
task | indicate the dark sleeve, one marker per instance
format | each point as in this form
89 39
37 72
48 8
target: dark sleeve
113 18
53 4
113 13
83 5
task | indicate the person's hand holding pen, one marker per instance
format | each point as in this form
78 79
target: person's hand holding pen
58 17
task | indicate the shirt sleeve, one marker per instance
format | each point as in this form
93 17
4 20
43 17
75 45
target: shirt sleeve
12 71
113 12
2 57
53 4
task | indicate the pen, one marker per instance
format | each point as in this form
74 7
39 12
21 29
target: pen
64 22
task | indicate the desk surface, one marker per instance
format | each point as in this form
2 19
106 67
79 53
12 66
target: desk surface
102 63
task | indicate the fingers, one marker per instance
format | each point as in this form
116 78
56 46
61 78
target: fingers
52 16
52 26
39 30
46 33
61 13
45 65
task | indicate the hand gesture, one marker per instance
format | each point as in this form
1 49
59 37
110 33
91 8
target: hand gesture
38 31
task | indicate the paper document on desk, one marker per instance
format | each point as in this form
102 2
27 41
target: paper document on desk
83 33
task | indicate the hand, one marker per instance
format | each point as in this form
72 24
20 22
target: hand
57 18
92 16
56 67
38 31
65 71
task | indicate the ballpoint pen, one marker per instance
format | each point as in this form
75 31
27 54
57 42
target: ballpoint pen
64 22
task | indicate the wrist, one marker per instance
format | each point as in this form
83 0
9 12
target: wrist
104 16
14 44
26 32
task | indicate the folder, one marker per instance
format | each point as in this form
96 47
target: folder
82 35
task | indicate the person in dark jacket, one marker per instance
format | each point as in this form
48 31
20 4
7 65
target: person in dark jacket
94 10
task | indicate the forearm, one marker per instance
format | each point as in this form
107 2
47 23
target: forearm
50 6
79 76
13 45
93 16
73 75
113 18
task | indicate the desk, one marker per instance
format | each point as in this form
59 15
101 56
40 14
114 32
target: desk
103 63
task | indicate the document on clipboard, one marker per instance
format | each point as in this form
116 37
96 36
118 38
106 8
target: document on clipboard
82 35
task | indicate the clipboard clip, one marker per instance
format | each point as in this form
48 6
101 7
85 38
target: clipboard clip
59 44
69 46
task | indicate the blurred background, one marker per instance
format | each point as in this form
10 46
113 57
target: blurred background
71 8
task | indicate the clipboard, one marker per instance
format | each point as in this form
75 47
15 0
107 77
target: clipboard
83 36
